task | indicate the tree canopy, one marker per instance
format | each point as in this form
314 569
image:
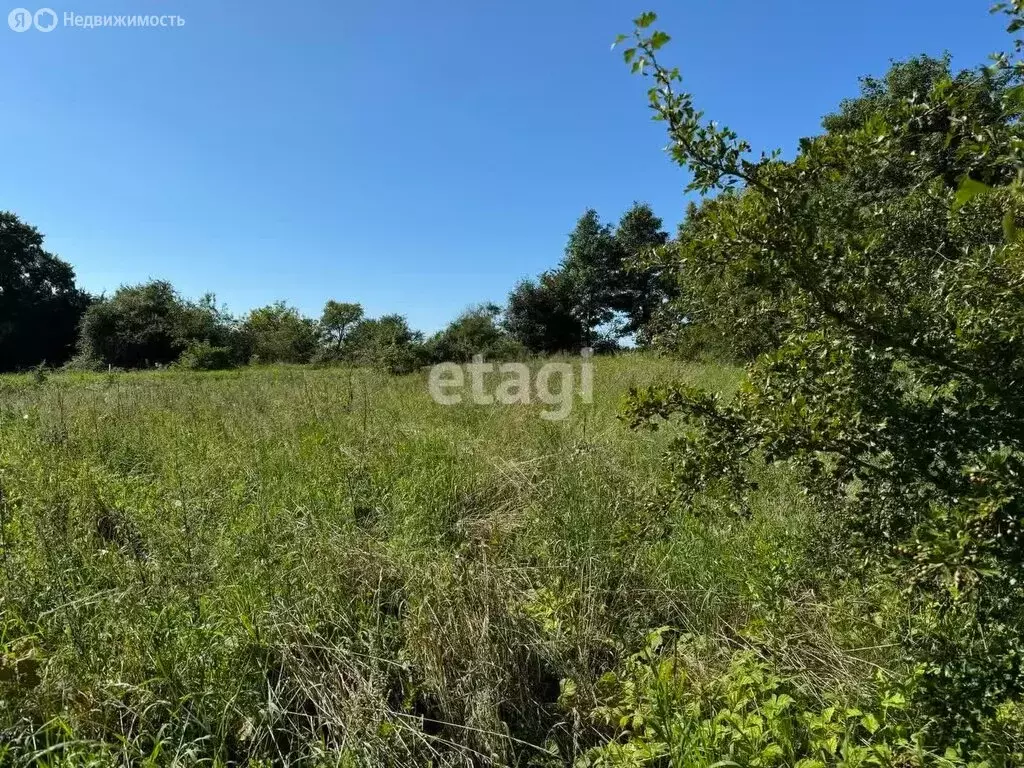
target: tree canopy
877 277
40 306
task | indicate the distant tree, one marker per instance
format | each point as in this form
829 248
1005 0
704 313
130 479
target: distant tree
616 285
641 286
387 343
278 333
140 325
40 306
336 322
592 268
475 332
204 320
212 337
540 314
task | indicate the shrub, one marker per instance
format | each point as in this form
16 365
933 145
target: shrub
278 334
386 343
888 258
203 356
149 324
658 709
474 332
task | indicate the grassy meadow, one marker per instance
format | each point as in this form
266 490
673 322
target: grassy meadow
299 566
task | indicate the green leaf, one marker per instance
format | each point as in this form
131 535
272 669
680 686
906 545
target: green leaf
618 39
628 54
894 701
870 722
658 39
968 190
771 753
1014 98
645 20
568 692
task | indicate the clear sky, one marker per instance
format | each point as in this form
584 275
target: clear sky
417 156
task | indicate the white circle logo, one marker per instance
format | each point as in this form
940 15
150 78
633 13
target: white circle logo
45 19
20 19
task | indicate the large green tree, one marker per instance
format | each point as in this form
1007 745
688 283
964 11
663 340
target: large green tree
387 343
540 315
138 326
592 268
734 309
336 322
888 257
641 284
40 306
151 324
278 333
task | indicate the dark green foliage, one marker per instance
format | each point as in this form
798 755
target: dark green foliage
709 310
278 333
887 289
734 309
336 322
540 315
615 286
592 266
642 285
387 343
475 332
204 356
40 307
607 286
150 324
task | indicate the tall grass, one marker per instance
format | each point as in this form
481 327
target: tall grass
324 567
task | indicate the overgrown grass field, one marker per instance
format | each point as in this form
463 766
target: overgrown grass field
325 567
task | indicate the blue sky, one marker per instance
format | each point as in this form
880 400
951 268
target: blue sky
417 156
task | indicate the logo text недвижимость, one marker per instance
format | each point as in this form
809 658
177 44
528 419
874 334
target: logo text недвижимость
47 20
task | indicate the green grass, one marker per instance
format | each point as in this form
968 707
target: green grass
324 567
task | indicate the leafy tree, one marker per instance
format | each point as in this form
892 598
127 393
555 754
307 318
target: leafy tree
40 307
151 324
888 256
540 315
641 286
708 310
139 326
734 311
386 342
337 320
606 286
475 332
592 268
615 286
278 333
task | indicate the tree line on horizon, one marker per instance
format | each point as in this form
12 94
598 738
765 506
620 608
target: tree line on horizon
596 296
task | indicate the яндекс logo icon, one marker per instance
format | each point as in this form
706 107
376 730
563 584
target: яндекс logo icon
22 19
